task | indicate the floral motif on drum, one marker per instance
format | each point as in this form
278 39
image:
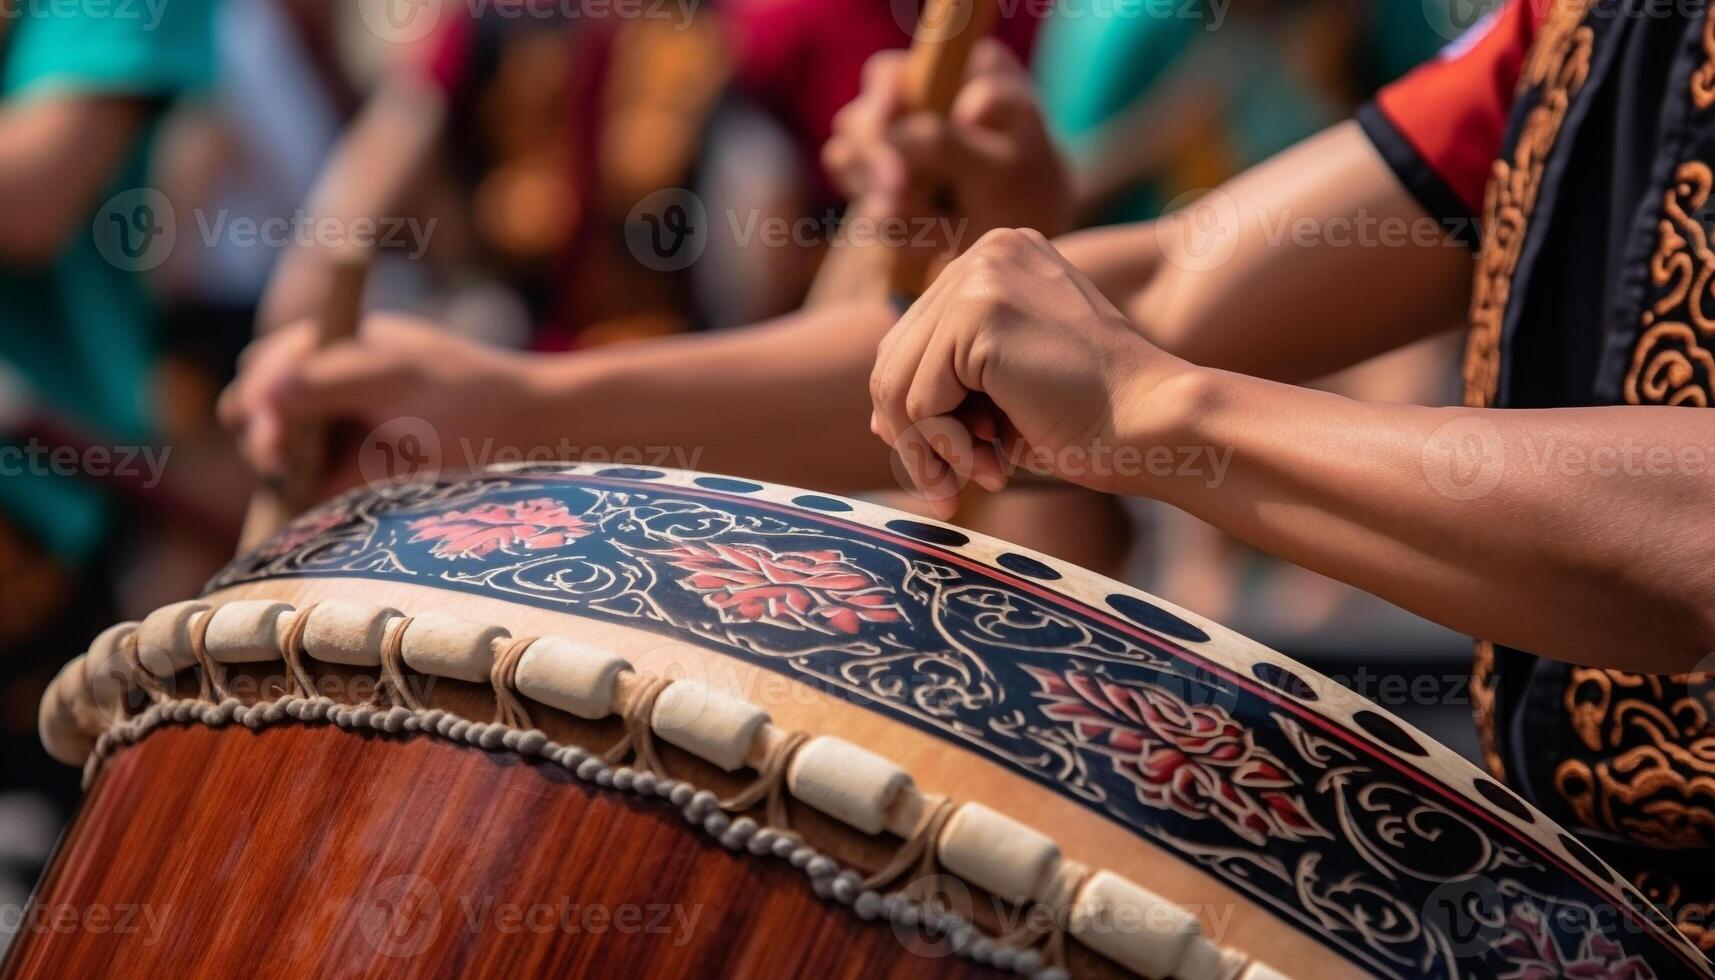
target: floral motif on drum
1321 813
818 590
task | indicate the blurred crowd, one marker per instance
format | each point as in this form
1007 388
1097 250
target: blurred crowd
171 172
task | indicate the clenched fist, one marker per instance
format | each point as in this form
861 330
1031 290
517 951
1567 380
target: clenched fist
1012 358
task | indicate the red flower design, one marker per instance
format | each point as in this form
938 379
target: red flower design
1193 759
1533 953
808 589
529 525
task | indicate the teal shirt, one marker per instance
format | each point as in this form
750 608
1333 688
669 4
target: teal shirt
80 328
1091 68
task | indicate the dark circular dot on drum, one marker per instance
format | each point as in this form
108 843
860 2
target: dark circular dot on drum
1151 616
1387 731
828 504
1585 856
930 533
1281 679
1504 798
631 473
1026 566
727 484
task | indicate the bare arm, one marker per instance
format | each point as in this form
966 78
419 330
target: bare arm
783 400
369 176
1313 261
780 400
1580 534
1575 533
58 155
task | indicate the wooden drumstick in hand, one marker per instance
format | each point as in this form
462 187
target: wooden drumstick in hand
946 32
279 500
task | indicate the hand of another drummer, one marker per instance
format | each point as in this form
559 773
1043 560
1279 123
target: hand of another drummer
990 160
398 369
1013 359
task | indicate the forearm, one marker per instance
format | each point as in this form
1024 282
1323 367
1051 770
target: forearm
366 180
786 400
1579 534
1309 263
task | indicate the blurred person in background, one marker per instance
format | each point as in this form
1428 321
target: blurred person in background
1109 75
531 138
83 89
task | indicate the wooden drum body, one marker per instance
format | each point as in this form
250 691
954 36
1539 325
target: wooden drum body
599 721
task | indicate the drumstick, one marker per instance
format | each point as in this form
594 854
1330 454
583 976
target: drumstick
277 501
946 32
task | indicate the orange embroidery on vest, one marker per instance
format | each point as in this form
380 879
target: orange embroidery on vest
1649 770
1672 363
1558 63
1483 683
1703 79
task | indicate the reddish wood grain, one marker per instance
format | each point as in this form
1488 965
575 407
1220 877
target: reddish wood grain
300 851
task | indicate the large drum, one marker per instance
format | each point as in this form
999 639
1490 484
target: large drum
621 722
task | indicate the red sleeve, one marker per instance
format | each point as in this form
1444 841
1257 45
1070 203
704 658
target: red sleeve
446 56
1441 126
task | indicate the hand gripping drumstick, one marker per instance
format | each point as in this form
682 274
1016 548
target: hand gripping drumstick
277 501
946 32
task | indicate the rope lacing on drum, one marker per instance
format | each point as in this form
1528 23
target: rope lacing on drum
918 854
770 782
509 708
145 678
638 742
1063 891
393 665
293 653
210 687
